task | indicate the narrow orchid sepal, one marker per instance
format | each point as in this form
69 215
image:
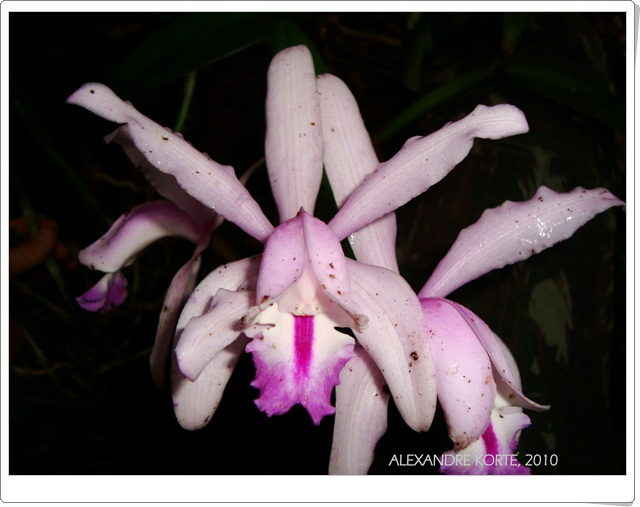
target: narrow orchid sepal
362 400
293 146
422 162
513 232
213 184
349 157
110 291
396 340
134 231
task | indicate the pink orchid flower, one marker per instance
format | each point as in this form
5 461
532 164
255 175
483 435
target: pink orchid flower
285 305
477 379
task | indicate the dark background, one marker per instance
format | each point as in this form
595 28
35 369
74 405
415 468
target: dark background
81 398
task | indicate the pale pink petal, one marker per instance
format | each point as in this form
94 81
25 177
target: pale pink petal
298 360
136 230
349 158
213 184
396 339
194 403
206 335
362 399
181 286
464 378
165 184
110 291
513 232
421 163
238 275
294 137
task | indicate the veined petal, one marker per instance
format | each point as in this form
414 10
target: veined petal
165 184
515 231
361 416
136 230
396 340
235 276
298 360
501 359
494 452
212 184
349 158
464 378
206 335
194 403
181 285
421 163
110 291
294 137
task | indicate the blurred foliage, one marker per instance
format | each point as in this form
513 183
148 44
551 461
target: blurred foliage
81 399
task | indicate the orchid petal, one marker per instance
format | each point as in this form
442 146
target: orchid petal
181 285
421 163
110 291
349 158
361 416
503 363
464 379
396 340
194 403
206 335
213 184
165 184
515 231
293 146
493 453
136 230
298 360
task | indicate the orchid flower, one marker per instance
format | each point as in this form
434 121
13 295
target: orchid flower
284 305
477 379
178 215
